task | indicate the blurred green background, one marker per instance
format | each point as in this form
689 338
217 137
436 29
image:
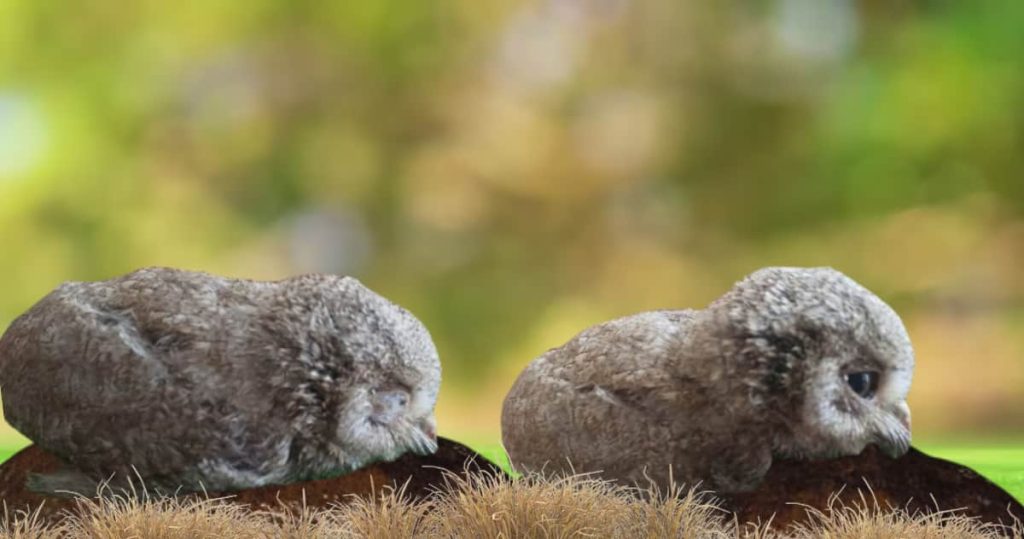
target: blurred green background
514 171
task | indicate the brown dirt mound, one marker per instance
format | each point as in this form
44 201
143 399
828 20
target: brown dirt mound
914 482
422 473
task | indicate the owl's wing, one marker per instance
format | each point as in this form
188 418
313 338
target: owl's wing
82 374
604 401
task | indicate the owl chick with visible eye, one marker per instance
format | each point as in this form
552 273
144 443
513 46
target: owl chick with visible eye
790 363
188 381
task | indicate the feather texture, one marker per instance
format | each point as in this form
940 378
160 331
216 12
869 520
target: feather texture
713 395
195 381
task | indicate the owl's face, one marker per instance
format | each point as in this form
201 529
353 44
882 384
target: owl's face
855 389
855 397
389 417
827 356
389 406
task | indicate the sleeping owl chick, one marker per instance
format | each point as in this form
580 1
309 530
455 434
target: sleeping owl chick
187 381
791 362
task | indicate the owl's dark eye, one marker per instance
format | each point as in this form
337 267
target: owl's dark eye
864 384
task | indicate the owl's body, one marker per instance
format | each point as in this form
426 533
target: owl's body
186 380
713 395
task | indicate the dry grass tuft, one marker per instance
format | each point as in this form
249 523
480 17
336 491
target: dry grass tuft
487 506
867 519
122 516
302 523
676 513
23 524
494 506
388 515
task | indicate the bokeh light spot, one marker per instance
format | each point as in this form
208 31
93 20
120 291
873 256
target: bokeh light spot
22 135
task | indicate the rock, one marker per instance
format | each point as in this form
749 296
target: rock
910 482
423 474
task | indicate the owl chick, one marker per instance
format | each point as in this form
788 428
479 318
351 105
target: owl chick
188 381
790 363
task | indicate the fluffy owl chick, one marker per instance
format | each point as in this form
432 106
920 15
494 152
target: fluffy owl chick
187 381
790 363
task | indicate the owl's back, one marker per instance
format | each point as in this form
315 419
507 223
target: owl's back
607 400
134 370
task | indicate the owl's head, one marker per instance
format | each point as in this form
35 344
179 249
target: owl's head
391 379
823 356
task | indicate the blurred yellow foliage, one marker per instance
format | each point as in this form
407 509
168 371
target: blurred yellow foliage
516 170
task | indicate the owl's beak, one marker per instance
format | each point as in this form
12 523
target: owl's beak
894 440
430 429
903 413
425 442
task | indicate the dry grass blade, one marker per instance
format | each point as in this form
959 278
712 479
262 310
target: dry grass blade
1017 528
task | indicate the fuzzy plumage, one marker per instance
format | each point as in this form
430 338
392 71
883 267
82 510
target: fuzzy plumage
187 380
771 369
